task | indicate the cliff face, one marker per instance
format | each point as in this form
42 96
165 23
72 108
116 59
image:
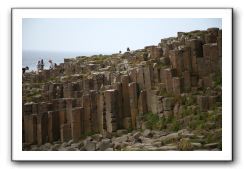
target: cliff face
175 85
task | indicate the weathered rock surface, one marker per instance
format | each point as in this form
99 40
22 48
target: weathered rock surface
164 97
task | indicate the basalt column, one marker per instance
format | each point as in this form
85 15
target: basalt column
133 103
53 126
76 123
111 109
87 112
125 93
42 128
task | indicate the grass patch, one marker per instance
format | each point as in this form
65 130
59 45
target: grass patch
154 122
217 79
86 134
175 125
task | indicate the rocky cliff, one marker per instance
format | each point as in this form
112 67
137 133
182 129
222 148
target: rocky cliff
164 97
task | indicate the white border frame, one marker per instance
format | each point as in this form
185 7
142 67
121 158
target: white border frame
19 155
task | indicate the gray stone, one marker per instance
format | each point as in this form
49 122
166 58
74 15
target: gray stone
46 147
147 133
70 142
121 132
169 138
64 144
90 145
157 143
211 145
97 137
123 138
55 147
104 144
136 135
168 148
76 145
196 145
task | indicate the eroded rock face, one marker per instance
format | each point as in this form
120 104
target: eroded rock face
154 92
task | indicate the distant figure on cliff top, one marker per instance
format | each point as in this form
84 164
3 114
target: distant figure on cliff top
120 52
42 64
24 69
51 64
128 49
38 65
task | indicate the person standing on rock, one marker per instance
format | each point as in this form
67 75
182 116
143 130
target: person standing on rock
42 64
24 69
51 64
38 66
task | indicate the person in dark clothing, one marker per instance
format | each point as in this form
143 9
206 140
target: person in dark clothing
51 64
42 64
24 69
128 49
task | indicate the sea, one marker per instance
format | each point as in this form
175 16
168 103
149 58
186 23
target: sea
31 58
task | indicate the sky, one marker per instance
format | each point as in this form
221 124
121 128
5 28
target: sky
104 35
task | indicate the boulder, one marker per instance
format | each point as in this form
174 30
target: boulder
121 132
147 133
169 138
211 145
104 144
121 139
97 137
136 135
90 145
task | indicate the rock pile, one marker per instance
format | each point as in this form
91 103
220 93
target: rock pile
149 140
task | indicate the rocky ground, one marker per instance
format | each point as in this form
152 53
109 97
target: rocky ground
147 140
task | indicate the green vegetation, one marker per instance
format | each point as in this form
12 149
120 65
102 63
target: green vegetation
190 100
86 134
218 79
34 92
194 34
175 125
153 121
130 130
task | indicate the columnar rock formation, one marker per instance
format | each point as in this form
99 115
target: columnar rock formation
103 94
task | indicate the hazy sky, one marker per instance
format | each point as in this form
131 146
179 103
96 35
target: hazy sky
104 35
